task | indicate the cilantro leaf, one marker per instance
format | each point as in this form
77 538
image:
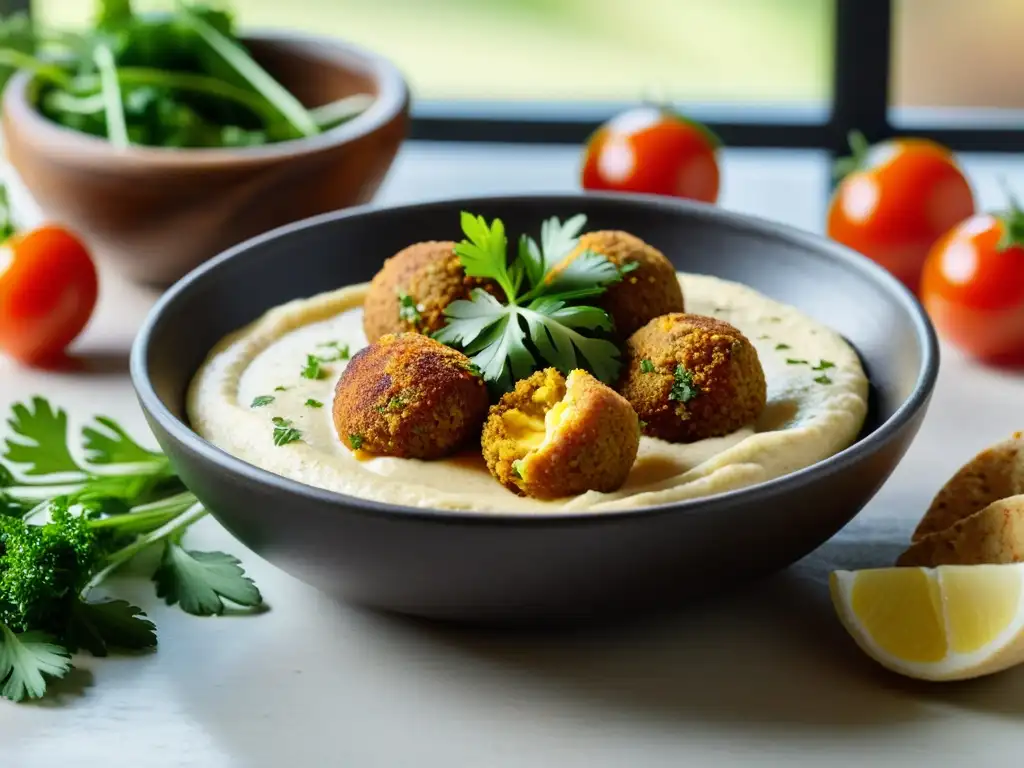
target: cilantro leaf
508 341
532 259
356 441
781 346
684 389
823 379
261 400
557 240
311 403
823 365
646 366
280 388
469 318
586 275
24 661
501 352
96 627
6 477
114 446
553 329
484 252
200 582
42 439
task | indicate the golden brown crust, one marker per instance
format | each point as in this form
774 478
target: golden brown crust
652 289
995 473
995 535
431 275
724 367
409 396
593 448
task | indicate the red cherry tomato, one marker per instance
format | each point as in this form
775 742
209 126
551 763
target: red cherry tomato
48 288
902 196
655 151
973 287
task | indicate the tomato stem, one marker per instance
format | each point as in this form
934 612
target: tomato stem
1012 219
856 160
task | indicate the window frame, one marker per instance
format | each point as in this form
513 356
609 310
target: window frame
861 71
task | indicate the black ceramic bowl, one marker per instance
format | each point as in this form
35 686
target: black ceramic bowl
510 567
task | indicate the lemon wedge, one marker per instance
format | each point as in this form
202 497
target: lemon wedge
953 622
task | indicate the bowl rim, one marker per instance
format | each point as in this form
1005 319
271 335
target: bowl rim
861 448
391 101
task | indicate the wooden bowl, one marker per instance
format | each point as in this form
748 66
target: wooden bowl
157 213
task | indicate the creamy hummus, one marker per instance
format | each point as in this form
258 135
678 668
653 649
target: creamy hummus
817 403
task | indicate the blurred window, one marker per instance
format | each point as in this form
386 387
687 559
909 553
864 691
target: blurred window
772 52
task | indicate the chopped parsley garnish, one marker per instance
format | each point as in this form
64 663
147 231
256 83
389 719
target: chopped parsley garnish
312 368
823 365
356 441
311 403
474 369
396 403
684 389
284 432
646 366
407 310
542 321
783 346
794 361
341 352
260 400
280 389
823 379
517 467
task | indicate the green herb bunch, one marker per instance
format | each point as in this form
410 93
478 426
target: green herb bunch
176 79
544 319
67 522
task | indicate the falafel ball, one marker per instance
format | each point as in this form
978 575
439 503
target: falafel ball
649 290
409 396
691 377
554 436
411 290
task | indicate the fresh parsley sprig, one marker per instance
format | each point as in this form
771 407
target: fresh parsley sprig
541 321
69 518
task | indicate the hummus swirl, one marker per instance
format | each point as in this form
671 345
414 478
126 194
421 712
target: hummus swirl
817 403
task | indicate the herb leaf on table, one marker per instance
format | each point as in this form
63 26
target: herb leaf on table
61 538
199 582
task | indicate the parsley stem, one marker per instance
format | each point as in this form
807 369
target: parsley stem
18 60
117 129
194 514
147 517
289 107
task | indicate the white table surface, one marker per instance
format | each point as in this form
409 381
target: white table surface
765 676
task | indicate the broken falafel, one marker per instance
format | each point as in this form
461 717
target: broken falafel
409 396
412 289
650 289
691 377
555 436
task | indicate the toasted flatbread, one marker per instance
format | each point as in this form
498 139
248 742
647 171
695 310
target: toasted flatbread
993 535
995 473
